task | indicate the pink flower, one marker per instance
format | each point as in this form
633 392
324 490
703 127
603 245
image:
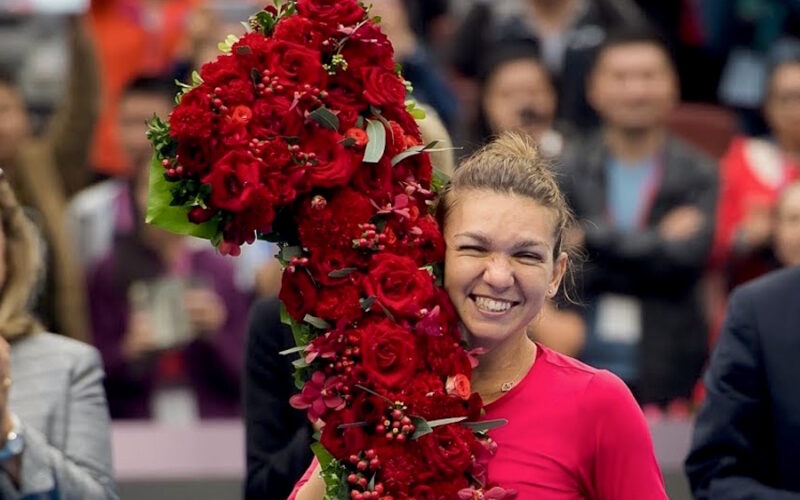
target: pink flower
318 395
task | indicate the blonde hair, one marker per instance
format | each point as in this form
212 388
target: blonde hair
23 266
511 164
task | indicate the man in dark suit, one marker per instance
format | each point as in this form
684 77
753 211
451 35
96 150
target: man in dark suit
278 436
747 437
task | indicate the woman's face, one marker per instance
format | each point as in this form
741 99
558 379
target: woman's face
787 228
499 266
518 96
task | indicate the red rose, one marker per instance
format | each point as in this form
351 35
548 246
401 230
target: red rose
336 223
220 71
458 385
251 51
399 114
446 357
299 30
442 490
368 47
193 118
426 241
233 179
344 92
398 284
375 180
369 408
388 353
345 12
298 293
382 87
273 114
194 156
236 91
322 263
293 63
341 443
447 449
339 303
334 164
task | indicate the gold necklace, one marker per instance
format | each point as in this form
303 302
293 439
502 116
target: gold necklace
510 384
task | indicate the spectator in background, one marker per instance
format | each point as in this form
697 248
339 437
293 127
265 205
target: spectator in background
132 37
167 317
646 201
786 243
753 173
55 436
36 168
746 441
516 94
419 67
566 32
278 436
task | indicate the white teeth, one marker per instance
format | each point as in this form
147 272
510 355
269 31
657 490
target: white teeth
492 305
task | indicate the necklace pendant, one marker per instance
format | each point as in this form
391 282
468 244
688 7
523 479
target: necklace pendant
506 386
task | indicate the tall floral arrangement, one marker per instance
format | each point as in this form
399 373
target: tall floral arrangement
300 133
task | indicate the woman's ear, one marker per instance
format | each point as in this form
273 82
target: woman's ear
559 268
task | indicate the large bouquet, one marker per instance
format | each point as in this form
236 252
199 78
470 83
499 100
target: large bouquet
300 133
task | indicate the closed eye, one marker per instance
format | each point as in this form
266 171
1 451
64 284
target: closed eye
471 249
529 258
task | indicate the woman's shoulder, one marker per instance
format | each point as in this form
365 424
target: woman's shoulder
600 389
58 348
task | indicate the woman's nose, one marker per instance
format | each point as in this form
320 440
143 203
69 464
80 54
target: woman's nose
498 273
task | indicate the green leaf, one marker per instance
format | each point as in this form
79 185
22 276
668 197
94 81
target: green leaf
413 150
317 322
387 312
300 363
325 118
348 142
288 252
172 218
342 273
323 456
421 427
414 110
445 421
292 350
366 304
485 425
196 78
440 179
377 141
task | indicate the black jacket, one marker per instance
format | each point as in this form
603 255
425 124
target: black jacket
747 436
663 275
278 436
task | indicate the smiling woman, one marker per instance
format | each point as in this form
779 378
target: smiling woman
504 222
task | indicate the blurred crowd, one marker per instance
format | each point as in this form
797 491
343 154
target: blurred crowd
673 126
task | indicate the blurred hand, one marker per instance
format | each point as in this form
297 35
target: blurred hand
140 338
206 310
756 228
5 386
395 23
681 223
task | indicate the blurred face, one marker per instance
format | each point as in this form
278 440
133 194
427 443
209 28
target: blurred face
782 108
499 263
633 86
519 96
136 109
14 126
787 228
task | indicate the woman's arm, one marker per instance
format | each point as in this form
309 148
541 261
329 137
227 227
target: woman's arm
83 468
310 486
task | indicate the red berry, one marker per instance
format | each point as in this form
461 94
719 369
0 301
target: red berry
401 438
362 466
353 459
352 478
370 453
374 463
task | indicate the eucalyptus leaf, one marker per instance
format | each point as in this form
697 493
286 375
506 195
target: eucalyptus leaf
421 427
366 304
485 425
342 273
292 350
325 118
288 252
445 421
172 218
317 322
377 141
299 363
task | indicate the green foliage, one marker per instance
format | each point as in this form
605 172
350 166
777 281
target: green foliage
333 473
325 118
377 141
164 213
414 110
